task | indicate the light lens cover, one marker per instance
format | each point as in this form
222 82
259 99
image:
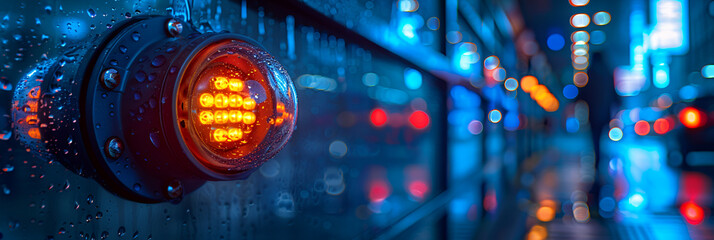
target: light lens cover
240 106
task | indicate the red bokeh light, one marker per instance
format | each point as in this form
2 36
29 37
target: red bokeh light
419 119
691 117
642 127
693 213
418 189
662 125
378 117
379 190
490 202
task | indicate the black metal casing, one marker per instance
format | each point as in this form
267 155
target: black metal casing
146 161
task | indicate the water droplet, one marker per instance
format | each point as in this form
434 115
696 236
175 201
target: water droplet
98 215
59 75
152 77
90 199
104 235
121 231
136 36
140 76
154 137
61 231
5 134
8 168
136 235
158 61
91 13
5 84
137 187
137 96
66 185
173 69
122 48
5 190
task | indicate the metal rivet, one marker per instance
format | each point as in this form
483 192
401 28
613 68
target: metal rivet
113 147
110 79
174 27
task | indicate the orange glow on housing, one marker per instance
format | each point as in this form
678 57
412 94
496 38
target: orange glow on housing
31 119
34 93
34 133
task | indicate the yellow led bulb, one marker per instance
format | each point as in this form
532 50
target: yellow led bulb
220 83
235 85
248 118
221 101
205 117
249 103
220 135
206 100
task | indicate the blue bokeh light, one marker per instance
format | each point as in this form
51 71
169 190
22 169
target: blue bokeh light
556 42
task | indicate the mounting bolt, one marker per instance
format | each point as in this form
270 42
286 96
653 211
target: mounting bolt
175 190
174 27
110 79
113 147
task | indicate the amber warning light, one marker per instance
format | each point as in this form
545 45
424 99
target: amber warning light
165 106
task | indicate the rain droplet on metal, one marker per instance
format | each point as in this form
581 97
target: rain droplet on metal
158 61
91 13
155 138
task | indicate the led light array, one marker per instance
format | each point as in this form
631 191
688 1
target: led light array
233 103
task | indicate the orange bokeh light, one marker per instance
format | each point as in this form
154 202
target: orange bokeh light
528 82
691 117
